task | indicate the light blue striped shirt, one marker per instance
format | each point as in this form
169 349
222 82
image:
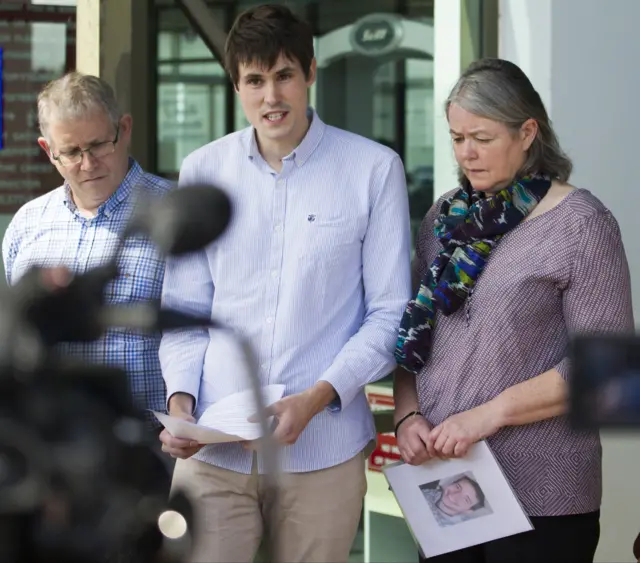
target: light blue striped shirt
314 270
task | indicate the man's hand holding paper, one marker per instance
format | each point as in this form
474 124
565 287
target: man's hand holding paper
227 420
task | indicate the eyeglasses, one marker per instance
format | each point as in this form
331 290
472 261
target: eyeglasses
99 150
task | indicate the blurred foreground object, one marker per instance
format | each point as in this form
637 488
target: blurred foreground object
605 382
81 477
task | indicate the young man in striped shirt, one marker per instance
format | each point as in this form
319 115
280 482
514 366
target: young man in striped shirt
314 271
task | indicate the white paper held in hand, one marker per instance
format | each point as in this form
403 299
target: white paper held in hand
224 421
457 503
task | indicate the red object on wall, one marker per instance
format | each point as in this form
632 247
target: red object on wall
386 450
380 401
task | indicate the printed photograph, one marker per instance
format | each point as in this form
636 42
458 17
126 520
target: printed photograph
445 501
456 499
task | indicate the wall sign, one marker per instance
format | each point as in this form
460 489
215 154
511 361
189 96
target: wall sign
376 34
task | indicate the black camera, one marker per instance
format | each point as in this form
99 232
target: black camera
80 479
605 382
81 475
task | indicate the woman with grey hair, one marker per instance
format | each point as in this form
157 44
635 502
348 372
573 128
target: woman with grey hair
509 266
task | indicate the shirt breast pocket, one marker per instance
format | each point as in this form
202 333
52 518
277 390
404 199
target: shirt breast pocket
328 240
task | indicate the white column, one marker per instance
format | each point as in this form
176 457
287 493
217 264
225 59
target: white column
447 68
88 36
524 38
105 47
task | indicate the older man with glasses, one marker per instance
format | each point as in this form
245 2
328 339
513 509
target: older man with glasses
78 225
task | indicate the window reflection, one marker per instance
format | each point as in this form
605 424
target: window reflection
48 47
193 93
51 2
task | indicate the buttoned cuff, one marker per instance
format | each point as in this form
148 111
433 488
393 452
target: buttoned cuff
346 389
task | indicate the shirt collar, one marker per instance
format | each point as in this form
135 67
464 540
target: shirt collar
302 152
133 177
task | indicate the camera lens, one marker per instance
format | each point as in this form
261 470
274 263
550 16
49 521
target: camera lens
13 466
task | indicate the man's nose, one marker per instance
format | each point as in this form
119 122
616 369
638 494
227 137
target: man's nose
271 93
89 161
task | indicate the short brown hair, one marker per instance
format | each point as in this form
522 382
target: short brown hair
261 34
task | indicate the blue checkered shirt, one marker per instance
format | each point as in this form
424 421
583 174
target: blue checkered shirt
49 231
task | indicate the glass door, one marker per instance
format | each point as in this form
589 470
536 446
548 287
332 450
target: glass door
376 79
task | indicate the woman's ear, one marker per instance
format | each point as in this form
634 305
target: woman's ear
528 132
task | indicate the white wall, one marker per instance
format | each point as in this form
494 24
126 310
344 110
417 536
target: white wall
525 38
595 81
582 56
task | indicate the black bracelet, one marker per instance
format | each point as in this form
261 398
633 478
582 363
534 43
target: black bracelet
412 413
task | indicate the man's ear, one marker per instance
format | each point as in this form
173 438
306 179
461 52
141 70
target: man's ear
47 149
313 69
126 125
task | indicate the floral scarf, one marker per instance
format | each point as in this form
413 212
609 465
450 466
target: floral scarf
468 227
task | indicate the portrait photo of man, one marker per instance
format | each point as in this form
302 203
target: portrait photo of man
455 499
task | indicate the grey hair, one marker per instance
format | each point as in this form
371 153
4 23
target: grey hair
498 90
76 96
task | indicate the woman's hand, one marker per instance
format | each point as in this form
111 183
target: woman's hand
412 440
454 436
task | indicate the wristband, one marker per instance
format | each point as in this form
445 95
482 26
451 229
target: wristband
412 413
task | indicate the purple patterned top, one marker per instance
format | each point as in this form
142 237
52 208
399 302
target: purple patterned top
560 273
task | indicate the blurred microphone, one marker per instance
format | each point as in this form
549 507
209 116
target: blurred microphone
68 313
184 220
149 318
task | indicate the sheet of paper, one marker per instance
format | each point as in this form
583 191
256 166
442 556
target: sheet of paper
224 421
201 434
456 503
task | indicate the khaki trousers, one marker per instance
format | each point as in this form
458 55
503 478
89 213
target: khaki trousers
317 517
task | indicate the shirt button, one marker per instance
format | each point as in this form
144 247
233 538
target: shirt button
278 228
274 274
269 320
265 365
280 182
